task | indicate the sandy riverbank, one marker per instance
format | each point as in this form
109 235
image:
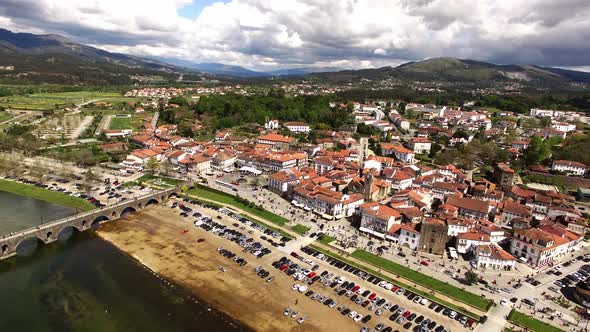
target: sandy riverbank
154 237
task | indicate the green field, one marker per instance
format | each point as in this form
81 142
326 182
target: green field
400 284
120 123
5 116
326 239
526 321
300 229
228 199
449 290
48 101
45 195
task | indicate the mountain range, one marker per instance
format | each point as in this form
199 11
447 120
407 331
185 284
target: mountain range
31 58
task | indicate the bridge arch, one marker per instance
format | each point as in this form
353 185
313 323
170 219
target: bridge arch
126 210
84 225
67 231
139 206
4 249
28 245
98 220
49 235
152 201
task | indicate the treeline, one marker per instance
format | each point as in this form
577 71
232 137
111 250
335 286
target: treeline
518 103
226 111
12 90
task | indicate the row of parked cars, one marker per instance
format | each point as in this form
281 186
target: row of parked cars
55 187
466 321
573 278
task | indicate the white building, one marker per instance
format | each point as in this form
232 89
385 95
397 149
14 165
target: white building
570 167
563 126
272 124
491 256
420 145
378 218
542 246
298 127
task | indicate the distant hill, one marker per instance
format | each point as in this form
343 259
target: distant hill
465 71
26 57
238 71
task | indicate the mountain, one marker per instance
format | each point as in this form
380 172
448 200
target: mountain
463 71
26 57
238 71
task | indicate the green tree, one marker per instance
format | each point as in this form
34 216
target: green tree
471 277
151 165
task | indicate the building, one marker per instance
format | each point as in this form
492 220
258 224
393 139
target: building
491 256
276 141
297 127
408 236
542 246
377 218
503 175
563 126
433 236
466 242
271 124
569 167
509 210
470 208
282 182
399 152
420 145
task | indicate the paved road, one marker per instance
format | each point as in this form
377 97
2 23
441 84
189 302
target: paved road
81 128
496 319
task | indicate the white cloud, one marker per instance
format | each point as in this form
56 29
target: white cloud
290 33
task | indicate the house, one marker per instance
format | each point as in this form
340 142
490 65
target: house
297 127
569 167
377 218
456 226
470 208
563 126
113 147
221 136
224 160
408 236
281 182
466 242
509 210
491 256
420 145
399 152
542 246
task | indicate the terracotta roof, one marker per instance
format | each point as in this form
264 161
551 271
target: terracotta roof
515 208
469 204
379 211
474 236
569 163
272 137
496 252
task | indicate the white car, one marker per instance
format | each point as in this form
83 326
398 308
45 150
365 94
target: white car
389 286
360 290
358 317
383 284
352 314
504 302
302 289
295 287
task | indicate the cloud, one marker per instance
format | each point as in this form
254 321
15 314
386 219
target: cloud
264 34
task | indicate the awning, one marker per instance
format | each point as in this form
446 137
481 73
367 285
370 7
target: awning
326 216
251 170
372 232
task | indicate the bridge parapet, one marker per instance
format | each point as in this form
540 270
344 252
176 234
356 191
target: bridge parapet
50 231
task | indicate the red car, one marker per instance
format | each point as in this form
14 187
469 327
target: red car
284 267
394 289
294 254
425 263
406 313
372 296
311 274
355 288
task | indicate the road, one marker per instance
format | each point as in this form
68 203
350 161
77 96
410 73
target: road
81 127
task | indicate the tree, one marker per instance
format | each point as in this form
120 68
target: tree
471 277
151 165
545 122
184 188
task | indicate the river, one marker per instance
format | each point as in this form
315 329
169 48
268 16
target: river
82 283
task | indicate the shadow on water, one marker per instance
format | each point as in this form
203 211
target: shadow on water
83 283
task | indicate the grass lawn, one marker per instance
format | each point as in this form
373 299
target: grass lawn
159 181
449 290
531 323
45 195
300 229
326 239
400 284
5 116
228 199
275 229
120 123
47 101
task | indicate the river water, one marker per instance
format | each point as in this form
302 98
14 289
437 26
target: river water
83 283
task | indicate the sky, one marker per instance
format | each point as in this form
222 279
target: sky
271 34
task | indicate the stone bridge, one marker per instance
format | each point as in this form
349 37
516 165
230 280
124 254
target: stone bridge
50 232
